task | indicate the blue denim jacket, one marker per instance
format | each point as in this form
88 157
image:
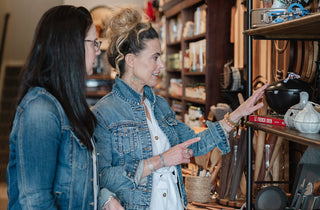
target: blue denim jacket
123 139
48 168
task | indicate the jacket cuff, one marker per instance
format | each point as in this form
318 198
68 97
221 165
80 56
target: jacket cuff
104 195
222 140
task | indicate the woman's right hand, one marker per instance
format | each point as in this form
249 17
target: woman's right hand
179 153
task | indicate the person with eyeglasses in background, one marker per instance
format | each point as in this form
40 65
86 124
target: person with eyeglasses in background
52 163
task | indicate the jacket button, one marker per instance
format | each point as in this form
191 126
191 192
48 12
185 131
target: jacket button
91 204
164 194
156 137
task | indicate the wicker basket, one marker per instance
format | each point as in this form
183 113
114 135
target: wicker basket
198 188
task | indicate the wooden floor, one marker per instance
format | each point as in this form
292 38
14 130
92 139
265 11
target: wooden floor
3 196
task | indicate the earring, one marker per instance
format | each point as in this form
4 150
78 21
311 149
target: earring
135 78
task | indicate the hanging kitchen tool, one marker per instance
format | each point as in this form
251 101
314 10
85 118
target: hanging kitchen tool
282 57
308 54
314 65
225 169
298 55
260 146
215 157
240 163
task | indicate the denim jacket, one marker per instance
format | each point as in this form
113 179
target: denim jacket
123 140
48 167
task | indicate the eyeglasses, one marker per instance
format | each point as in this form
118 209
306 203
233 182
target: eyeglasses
97 44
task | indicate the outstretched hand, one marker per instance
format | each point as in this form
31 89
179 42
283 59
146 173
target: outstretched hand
179 153
250 105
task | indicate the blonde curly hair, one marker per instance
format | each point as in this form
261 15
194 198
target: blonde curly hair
126 32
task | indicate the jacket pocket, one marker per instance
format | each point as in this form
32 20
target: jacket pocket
171 121
125 138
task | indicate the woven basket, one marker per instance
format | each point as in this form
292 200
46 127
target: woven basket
198 188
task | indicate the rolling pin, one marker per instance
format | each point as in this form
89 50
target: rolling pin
260 147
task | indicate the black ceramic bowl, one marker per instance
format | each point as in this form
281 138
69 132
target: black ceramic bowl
281 95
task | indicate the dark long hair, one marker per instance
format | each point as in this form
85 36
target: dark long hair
56 62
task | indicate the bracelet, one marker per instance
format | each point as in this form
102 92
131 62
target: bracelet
229 122
162 160
150 165
107 203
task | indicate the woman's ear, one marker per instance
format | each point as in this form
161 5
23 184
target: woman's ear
129 58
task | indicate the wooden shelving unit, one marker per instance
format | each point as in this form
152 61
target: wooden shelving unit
218 20
304 28
308 139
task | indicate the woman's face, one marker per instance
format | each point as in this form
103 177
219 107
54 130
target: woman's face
90 49
147 65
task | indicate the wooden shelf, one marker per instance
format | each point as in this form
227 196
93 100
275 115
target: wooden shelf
175 43
96 94
195 100
309 139
304 28
174 70
175 97
182 5
197 73
100 76
195 38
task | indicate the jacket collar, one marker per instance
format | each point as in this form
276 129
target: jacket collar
124 91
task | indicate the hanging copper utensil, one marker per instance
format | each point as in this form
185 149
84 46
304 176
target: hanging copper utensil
308 62
292 58
305 64
298 58
314 64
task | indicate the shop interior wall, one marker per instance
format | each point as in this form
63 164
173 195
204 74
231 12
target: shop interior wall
25 14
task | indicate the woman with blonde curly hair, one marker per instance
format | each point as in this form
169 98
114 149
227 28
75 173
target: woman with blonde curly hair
141 144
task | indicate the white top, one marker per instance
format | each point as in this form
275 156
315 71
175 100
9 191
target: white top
165 193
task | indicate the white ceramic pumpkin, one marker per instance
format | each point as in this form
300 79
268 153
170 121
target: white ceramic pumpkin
307 120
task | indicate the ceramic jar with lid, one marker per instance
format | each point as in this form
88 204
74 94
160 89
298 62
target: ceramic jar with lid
293 111
307 120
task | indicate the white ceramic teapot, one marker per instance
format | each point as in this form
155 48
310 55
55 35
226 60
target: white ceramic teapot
308 119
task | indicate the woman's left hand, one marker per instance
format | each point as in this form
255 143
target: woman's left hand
249 106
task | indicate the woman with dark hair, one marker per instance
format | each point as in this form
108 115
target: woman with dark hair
141 144
52 158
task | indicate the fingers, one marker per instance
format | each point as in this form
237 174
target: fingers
187 154
261 89
190 141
